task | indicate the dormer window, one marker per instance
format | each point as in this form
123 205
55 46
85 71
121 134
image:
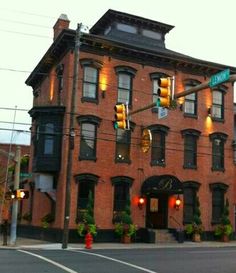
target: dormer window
151 34
126 28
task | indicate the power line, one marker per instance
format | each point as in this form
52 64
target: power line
26 34
24 23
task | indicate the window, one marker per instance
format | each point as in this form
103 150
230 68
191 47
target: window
217 111
125 83
158 144
123 145
86 185
190 193
88 136
218 192
90 79
151 34
218 141
190 102
49 138
126 28
90 82
190 148
122 186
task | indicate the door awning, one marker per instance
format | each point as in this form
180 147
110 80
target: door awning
162 183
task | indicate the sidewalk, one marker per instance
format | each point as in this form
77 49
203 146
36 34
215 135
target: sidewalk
38 244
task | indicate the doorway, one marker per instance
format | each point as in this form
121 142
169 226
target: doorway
157 211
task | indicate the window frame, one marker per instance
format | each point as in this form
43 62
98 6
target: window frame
221 90
162 131
82 180
118 182
189 100
217 207
92 120
218 156
96 65
123 145
130 73
194 134
194 187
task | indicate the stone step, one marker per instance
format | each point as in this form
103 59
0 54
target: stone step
164 236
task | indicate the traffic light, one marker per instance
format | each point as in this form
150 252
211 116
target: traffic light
164 92
121 117
20 194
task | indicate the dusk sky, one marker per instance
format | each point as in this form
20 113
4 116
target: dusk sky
204 29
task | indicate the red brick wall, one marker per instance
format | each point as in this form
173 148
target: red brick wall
105 166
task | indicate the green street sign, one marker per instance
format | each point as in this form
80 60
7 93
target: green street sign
29 175
219 78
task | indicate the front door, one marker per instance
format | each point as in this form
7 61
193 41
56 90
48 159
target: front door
157 211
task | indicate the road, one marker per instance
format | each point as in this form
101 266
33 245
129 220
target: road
166 260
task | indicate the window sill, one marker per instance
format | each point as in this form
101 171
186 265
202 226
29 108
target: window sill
127 161
92 100
190 115
91 158
192 167
218 119
215 169
156 163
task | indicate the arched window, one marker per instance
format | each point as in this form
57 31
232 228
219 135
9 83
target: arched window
122 186
88 136
91 70
159 133
86 183
125 75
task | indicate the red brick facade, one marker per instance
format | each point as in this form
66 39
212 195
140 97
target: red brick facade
140 167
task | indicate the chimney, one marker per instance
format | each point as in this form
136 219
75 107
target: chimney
61 23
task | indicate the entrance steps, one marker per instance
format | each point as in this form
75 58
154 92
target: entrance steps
164 236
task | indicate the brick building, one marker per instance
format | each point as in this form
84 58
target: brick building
120 60
6 162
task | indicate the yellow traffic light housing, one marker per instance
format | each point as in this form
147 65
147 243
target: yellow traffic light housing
20 194
164 92
121 117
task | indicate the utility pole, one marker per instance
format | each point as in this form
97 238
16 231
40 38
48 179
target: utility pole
71 138
15 201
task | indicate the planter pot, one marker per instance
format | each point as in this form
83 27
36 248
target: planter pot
225 238
196 237
125 239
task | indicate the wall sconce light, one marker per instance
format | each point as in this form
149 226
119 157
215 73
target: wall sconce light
141 202
209 111
177 202
103 93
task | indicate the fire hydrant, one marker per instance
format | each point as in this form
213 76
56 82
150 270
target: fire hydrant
88 240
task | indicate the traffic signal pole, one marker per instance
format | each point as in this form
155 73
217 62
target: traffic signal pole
15 201
184 93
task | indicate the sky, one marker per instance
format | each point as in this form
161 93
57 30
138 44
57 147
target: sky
204 29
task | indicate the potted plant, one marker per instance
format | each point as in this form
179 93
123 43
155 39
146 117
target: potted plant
87 223
47 219
196 227
125 227
27 217
224 229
